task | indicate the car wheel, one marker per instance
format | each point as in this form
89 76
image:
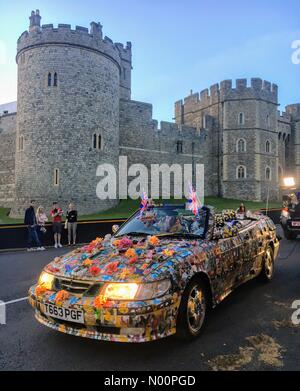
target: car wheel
268 265
192 310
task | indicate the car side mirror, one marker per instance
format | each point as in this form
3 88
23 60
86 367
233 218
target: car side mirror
115 228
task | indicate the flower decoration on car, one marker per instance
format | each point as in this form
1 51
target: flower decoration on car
94 270
61 296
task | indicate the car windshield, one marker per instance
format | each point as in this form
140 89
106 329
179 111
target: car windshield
167 220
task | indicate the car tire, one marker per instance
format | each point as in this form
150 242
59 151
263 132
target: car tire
267 271
192 313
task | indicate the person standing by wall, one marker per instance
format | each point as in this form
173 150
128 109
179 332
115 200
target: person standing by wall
56 214
30 221
41 219
71 218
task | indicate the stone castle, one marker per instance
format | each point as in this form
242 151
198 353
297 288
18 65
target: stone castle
74 111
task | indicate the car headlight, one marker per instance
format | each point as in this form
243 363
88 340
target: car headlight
46 279
134 291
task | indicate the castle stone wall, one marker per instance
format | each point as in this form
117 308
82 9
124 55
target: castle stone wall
7 159
144 142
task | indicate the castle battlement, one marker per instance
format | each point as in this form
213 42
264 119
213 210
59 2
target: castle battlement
92 39
294 111
284 116
225 90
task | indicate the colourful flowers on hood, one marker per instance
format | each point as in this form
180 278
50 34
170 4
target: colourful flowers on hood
153 240
87 262
112 267
94 270
123 244
130 253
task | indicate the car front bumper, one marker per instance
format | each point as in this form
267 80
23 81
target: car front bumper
120 322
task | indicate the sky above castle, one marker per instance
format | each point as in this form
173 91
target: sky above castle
177 45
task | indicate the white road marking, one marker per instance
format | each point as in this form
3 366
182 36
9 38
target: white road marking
14 301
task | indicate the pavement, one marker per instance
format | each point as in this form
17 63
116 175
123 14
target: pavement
250 330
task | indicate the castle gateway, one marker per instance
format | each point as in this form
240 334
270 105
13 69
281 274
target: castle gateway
74 112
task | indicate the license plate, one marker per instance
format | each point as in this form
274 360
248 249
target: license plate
69 314
295 223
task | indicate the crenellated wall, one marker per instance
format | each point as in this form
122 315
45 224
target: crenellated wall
143 141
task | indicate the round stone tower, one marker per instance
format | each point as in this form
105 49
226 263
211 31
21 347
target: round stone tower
69 86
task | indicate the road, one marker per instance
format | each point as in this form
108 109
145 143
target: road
250 330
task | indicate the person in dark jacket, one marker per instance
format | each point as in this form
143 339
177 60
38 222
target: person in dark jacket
30 221
71 220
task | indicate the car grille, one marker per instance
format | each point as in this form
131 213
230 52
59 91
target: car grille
73 286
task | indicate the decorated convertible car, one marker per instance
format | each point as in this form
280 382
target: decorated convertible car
158 274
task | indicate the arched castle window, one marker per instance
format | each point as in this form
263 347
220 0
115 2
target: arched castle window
56 177
268 173
97 141
55 80
21 143
179 147
241 118
241 145
49 79
268 146
241 172
279 135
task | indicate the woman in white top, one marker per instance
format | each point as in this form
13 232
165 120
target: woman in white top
41 219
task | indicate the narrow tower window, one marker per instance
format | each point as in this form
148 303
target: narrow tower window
179 148
56 177
49 79
241 145
268 121
55 80
21 143
268 173
241 118
97 141
241 172
268 146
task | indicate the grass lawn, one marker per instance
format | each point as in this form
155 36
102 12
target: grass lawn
127 207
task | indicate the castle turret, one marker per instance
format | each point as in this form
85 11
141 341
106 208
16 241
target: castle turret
243 133
69 87
35 21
